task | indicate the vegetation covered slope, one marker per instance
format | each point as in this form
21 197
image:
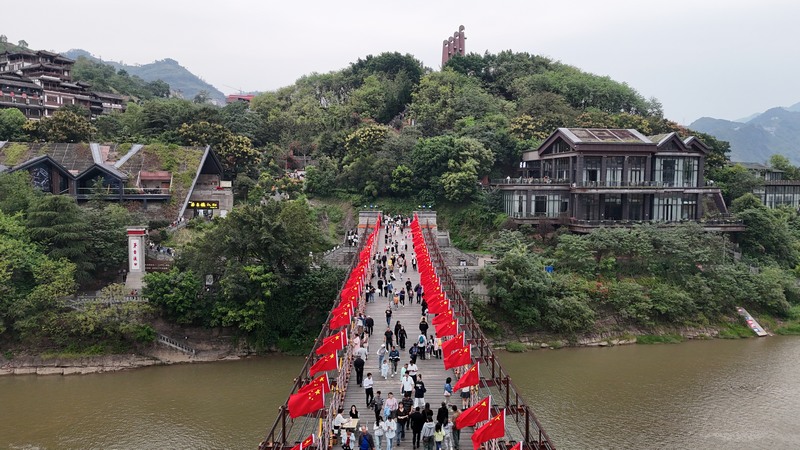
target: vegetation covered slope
388 131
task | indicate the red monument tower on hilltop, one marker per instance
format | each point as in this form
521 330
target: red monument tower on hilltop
454 45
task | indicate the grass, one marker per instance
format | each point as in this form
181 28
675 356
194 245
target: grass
648 339
735 331
790 329
515 347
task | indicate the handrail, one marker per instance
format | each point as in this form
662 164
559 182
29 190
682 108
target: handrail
280 428
535 435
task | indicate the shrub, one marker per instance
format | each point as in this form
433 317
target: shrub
515 347
659 339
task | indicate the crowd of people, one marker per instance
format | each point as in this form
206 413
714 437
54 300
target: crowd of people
394 415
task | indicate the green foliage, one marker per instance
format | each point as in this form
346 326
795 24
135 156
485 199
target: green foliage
58 224
515 347
104 78
16 193
648 339
735 181
735 331
11 121
791 329
63 126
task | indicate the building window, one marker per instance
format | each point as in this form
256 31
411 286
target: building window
689 207
591 168
540 205
614 170
636 170
635 206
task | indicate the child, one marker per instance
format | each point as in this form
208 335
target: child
385 368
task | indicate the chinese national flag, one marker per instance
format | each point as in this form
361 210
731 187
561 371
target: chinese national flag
341 317
442 318
471 378
319 382
447 329
517 447
476 413
327 362
303 403
460 357
307 442
494 429
332 343
439 307
451 345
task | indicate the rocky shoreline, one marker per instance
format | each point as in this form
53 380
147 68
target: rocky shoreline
156 356
606 339
37 365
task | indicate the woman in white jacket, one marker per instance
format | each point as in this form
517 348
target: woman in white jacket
377 432
389 431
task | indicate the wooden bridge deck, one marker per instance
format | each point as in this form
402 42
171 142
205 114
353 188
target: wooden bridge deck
431 369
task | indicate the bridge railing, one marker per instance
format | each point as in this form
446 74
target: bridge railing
533 433
283 428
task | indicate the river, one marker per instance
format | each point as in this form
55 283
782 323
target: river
708 395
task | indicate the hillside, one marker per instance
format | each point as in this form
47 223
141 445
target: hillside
775 131
168 70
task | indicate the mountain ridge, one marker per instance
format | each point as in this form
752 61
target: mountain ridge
168 70
774 131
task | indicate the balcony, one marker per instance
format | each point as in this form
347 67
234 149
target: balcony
719 224
128 193
528 181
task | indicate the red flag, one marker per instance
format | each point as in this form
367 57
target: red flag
303 403
307 442
447 329
442 318
476 413
494 429
320 381
517 447
439 307
327 362
332 343
341 317
470 378
460 357
452 344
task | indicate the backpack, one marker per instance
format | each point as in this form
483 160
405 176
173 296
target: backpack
421 340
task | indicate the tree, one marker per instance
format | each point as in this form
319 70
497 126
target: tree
781 162
65 126
235 151
16 192
11 122
735 181
57 223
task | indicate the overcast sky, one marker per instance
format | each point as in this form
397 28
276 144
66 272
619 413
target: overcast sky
720 58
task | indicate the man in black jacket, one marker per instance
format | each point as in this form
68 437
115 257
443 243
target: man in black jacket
358 364
442 414
369 322
417 420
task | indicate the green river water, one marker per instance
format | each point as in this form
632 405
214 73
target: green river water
717 394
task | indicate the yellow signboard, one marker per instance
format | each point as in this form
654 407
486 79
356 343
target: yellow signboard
203 205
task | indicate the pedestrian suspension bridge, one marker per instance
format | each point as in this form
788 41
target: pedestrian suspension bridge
327 381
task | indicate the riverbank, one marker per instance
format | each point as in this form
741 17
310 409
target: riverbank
86 364
536 341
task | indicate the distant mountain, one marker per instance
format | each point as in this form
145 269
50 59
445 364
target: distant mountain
775 131
167 70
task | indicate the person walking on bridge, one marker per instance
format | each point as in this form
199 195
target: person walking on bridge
365 441
417 420
358 364
394 357
368 389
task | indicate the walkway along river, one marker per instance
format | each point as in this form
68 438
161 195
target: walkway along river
708 395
